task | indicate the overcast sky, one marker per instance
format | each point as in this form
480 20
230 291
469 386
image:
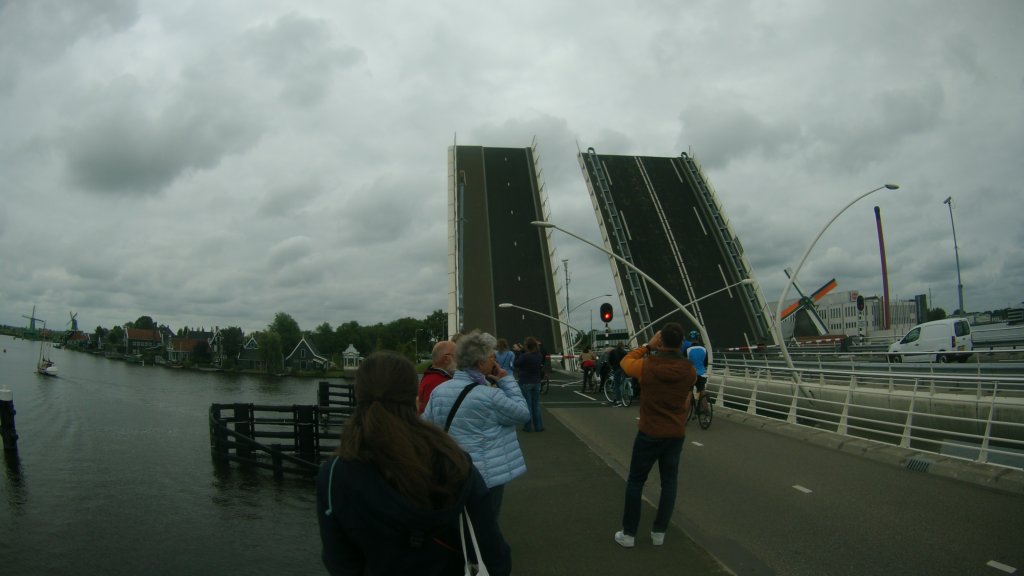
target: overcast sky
213 163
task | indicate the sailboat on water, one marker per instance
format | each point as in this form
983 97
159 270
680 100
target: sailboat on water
44 366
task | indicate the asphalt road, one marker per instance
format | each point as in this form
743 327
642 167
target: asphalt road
773 503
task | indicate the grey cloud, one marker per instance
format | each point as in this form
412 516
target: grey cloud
300 52
123 147
34 33
724 133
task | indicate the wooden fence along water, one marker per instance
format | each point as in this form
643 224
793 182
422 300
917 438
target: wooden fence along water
285 438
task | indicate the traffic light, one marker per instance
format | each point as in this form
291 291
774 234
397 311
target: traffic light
606 312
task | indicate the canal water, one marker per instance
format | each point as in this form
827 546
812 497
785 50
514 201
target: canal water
113 474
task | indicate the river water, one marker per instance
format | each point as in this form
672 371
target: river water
113 474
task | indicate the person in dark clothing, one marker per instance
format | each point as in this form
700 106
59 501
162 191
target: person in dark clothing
392 499
530 367
614 358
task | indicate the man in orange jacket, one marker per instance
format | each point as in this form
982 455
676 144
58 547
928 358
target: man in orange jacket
667 380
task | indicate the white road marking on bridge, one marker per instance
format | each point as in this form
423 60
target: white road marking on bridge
584 395
696 443
1001 566
802 489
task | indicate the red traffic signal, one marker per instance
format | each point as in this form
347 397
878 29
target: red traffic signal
606 312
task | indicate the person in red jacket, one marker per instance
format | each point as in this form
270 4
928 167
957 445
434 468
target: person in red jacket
442 366
667 379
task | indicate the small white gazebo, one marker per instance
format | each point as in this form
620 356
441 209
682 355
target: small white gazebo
350 358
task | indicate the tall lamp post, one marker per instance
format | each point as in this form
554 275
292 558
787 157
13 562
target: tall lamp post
792 277
956 250
416 347
651 281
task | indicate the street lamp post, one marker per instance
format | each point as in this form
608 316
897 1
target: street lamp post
956 250
651 281
416 346
792 277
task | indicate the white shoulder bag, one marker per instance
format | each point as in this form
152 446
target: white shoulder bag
479 569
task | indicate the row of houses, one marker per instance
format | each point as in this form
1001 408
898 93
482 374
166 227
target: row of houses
304 357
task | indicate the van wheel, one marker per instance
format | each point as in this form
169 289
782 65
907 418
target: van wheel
942 358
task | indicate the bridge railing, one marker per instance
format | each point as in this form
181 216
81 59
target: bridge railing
979 418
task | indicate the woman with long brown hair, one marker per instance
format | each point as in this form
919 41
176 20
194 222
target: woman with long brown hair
391 500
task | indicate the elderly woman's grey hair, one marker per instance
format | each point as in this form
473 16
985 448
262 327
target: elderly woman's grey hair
473 348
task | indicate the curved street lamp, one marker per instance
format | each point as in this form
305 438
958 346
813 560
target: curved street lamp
651 281
577 307
532 311
745 281
792 277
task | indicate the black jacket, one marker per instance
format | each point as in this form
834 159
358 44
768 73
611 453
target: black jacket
367 527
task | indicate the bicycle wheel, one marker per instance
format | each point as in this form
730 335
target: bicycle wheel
627 391
609 389
707 412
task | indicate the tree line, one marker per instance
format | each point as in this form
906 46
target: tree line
408 336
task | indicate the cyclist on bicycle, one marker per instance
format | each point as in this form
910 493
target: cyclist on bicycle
697 354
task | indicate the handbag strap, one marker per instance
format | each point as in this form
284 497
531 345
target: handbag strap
481 567
458 402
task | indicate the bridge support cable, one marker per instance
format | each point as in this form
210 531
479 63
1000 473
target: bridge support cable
620 244
731 247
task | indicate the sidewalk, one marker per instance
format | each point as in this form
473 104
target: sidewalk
561 516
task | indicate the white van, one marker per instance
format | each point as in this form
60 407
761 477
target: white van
938 341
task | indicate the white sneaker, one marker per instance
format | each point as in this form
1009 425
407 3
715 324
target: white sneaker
623 540
658 538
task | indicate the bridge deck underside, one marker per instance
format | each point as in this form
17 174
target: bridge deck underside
701 247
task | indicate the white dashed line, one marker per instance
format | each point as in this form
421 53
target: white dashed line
696 443
802 489
1001 566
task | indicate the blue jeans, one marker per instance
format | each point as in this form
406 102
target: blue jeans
532 394
646 451
617 377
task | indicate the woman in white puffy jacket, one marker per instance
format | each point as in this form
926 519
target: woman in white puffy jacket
485 421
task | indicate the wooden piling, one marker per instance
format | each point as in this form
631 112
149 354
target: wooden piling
7 429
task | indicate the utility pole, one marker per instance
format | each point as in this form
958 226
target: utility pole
956 250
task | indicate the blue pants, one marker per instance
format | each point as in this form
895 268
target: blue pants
646 451
617 377
532 394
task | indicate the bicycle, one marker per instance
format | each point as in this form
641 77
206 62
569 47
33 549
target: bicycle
607 385
703 409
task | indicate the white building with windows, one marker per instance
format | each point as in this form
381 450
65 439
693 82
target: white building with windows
838 310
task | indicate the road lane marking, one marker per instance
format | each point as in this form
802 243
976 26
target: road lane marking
584 395
1001 566
802 489
696 443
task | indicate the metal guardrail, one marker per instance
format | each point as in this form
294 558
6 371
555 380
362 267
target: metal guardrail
979 418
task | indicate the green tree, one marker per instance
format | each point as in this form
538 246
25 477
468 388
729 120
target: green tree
232 340
115 338
437 325
936 314
270 351
288 329
144 323
325 340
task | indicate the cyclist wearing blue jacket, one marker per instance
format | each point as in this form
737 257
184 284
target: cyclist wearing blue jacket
697 354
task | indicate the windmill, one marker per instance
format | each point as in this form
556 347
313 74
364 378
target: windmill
73 323
808 323
32 320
